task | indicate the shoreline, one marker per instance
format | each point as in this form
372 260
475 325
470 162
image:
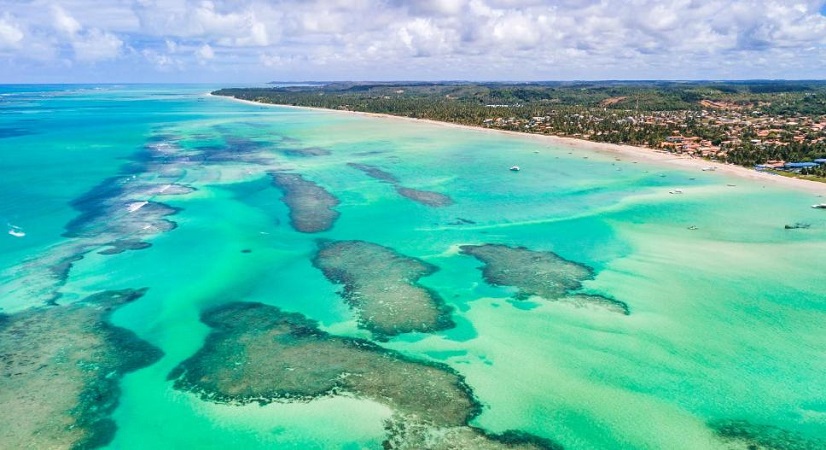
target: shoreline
637 153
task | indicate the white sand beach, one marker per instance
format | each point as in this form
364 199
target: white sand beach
625 151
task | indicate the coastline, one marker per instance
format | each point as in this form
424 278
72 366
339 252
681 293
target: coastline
629 151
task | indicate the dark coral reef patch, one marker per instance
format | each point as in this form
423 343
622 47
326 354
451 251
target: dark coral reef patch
305 152
415 435
428 198
61 367
745 435
119 246
382 286
311 206
544 274
258 353
375 172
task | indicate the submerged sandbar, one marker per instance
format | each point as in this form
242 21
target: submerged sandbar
382 286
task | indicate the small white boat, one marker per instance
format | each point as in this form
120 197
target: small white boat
675 191
16 231
819 206
709 169
515 169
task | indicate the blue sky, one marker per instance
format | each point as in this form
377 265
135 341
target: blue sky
256 40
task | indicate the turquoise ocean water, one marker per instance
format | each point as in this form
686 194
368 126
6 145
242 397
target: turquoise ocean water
727 322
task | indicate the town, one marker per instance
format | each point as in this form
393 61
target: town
724 133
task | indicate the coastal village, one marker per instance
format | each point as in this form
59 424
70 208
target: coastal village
724 128
777 127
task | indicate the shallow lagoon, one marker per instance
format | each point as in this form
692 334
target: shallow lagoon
726 321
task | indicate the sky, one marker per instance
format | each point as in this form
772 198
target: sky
255 41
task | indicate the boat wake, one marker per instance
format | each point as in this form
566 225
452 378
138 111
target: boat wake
16 231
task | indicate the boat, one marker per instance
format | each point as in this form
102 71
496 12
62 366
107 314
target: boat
514 169
692 227
675 191
16 231
709 169
819 206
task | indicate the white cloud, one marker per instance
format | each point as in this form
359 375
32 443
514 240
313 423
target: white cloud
274 60
517 30
96 45
438 7
514 39
163 62
232 24
256 36
171 45
88 44
205 53
11 35
423 38
64 22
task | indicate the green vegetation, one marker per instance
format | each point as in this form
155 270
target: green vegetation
742 122
430 99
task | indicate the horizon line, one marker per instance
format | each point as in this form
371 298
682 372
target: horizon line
402 81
